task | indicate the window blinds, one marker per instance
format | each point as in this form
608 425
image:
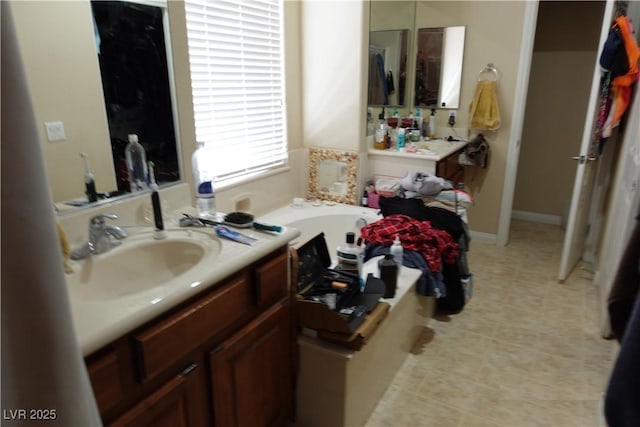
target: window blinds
237 78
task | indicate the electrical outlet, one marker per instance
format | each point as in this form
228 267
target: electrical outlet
55 131
452 118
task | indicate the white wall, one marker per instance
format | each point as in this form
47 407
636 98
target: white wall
334 74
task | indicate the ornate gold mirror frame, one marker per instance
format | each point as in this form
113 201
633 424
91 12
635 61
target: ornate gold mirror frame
333 175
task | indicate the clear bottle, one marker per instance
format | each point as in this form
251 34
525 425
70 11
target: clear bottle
371 128
381 137
432 124
397 251
136 164
203 177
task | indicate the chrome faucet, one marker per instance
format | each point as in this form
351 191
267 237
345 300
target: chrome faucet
102 237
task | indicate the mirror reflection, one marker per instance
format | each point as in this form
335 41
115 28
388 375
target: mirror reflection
439 67
444 77
333 175
98 71
388 67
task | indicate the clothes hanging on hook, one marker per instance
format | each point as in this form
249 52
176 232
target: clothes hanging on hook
620 57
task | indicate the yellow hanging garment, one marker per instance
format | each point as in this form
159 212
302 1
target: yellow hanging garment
484 111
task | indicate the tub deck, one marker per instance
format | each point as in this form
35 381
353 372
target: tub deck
339 387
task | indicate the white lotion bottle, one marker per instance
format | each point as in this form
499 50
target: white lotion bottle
203 177
397 252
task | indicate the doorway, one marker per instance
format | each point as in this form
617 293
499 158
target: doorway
564 52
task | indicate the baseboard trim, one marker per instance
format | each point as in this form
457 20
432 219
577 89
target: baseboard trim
537 217
479 236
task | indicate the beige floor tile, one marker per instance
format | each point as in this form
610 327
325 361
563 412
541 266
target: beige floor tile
524 352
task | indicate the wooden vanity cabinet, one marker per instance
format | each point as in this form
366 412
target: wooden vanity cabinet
223 358
450 169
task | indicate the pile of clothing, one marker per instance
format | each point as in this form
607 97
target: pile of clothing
434 240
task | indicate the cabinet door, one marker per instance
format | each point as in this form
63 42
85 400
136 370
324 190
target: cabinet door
251 373
171 405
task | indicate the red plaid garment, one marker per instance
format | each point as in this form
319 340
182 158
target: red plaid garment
434 245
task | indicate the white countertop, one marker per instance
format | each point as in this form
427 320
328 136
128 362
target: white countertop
99 321
434 150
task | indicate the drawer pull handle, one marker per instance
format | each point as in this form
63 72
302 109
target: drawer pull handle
189 369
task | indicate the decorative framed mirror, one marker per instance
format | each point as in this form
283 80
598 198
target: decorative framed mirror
333 175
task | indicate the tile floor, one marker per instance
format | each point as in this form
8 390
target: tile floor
526 350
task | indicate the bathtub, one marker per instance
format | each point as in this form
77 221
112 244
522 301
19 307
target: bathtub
357 379
332 220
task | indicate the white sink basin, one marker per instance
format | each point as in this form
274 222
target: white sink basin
142 263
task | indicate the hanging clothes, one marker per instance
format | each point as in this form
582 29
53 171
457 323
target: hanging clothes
383 79
391 87
484 111
620 44
377 80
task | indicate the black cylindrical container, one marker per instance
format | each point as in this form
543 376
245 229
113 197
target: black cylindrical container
389 275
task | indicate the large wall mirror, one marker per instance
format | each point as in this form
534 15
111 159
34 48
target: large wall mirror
439 53
103 69
435 54
388 52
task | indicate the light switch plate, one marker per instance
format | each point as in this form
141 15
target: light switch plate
55 131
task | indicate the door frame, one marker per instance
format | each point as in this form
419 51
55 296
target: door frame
515 132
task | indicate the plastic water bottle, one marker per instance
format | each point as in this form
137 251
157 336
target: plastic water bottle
203 177
136 164
397 252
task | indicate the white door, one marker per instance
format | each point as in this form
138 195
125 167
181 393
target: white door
577 222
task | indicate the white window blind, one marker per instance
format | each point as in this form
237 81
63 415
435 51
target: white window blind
237 78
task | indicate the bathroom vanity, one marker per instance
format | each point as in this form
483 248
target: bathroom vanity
439 157
215 348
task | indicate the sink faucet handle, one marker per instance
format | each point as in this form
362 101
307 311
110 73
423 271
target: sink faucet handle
99 219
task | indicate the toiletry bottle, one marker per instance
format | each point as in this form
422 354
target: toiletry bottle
348 253
418 125
136 164
203 177
397 251
432 124
158 231
380 141
401 139
389 275
89 181
424 130
371 128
